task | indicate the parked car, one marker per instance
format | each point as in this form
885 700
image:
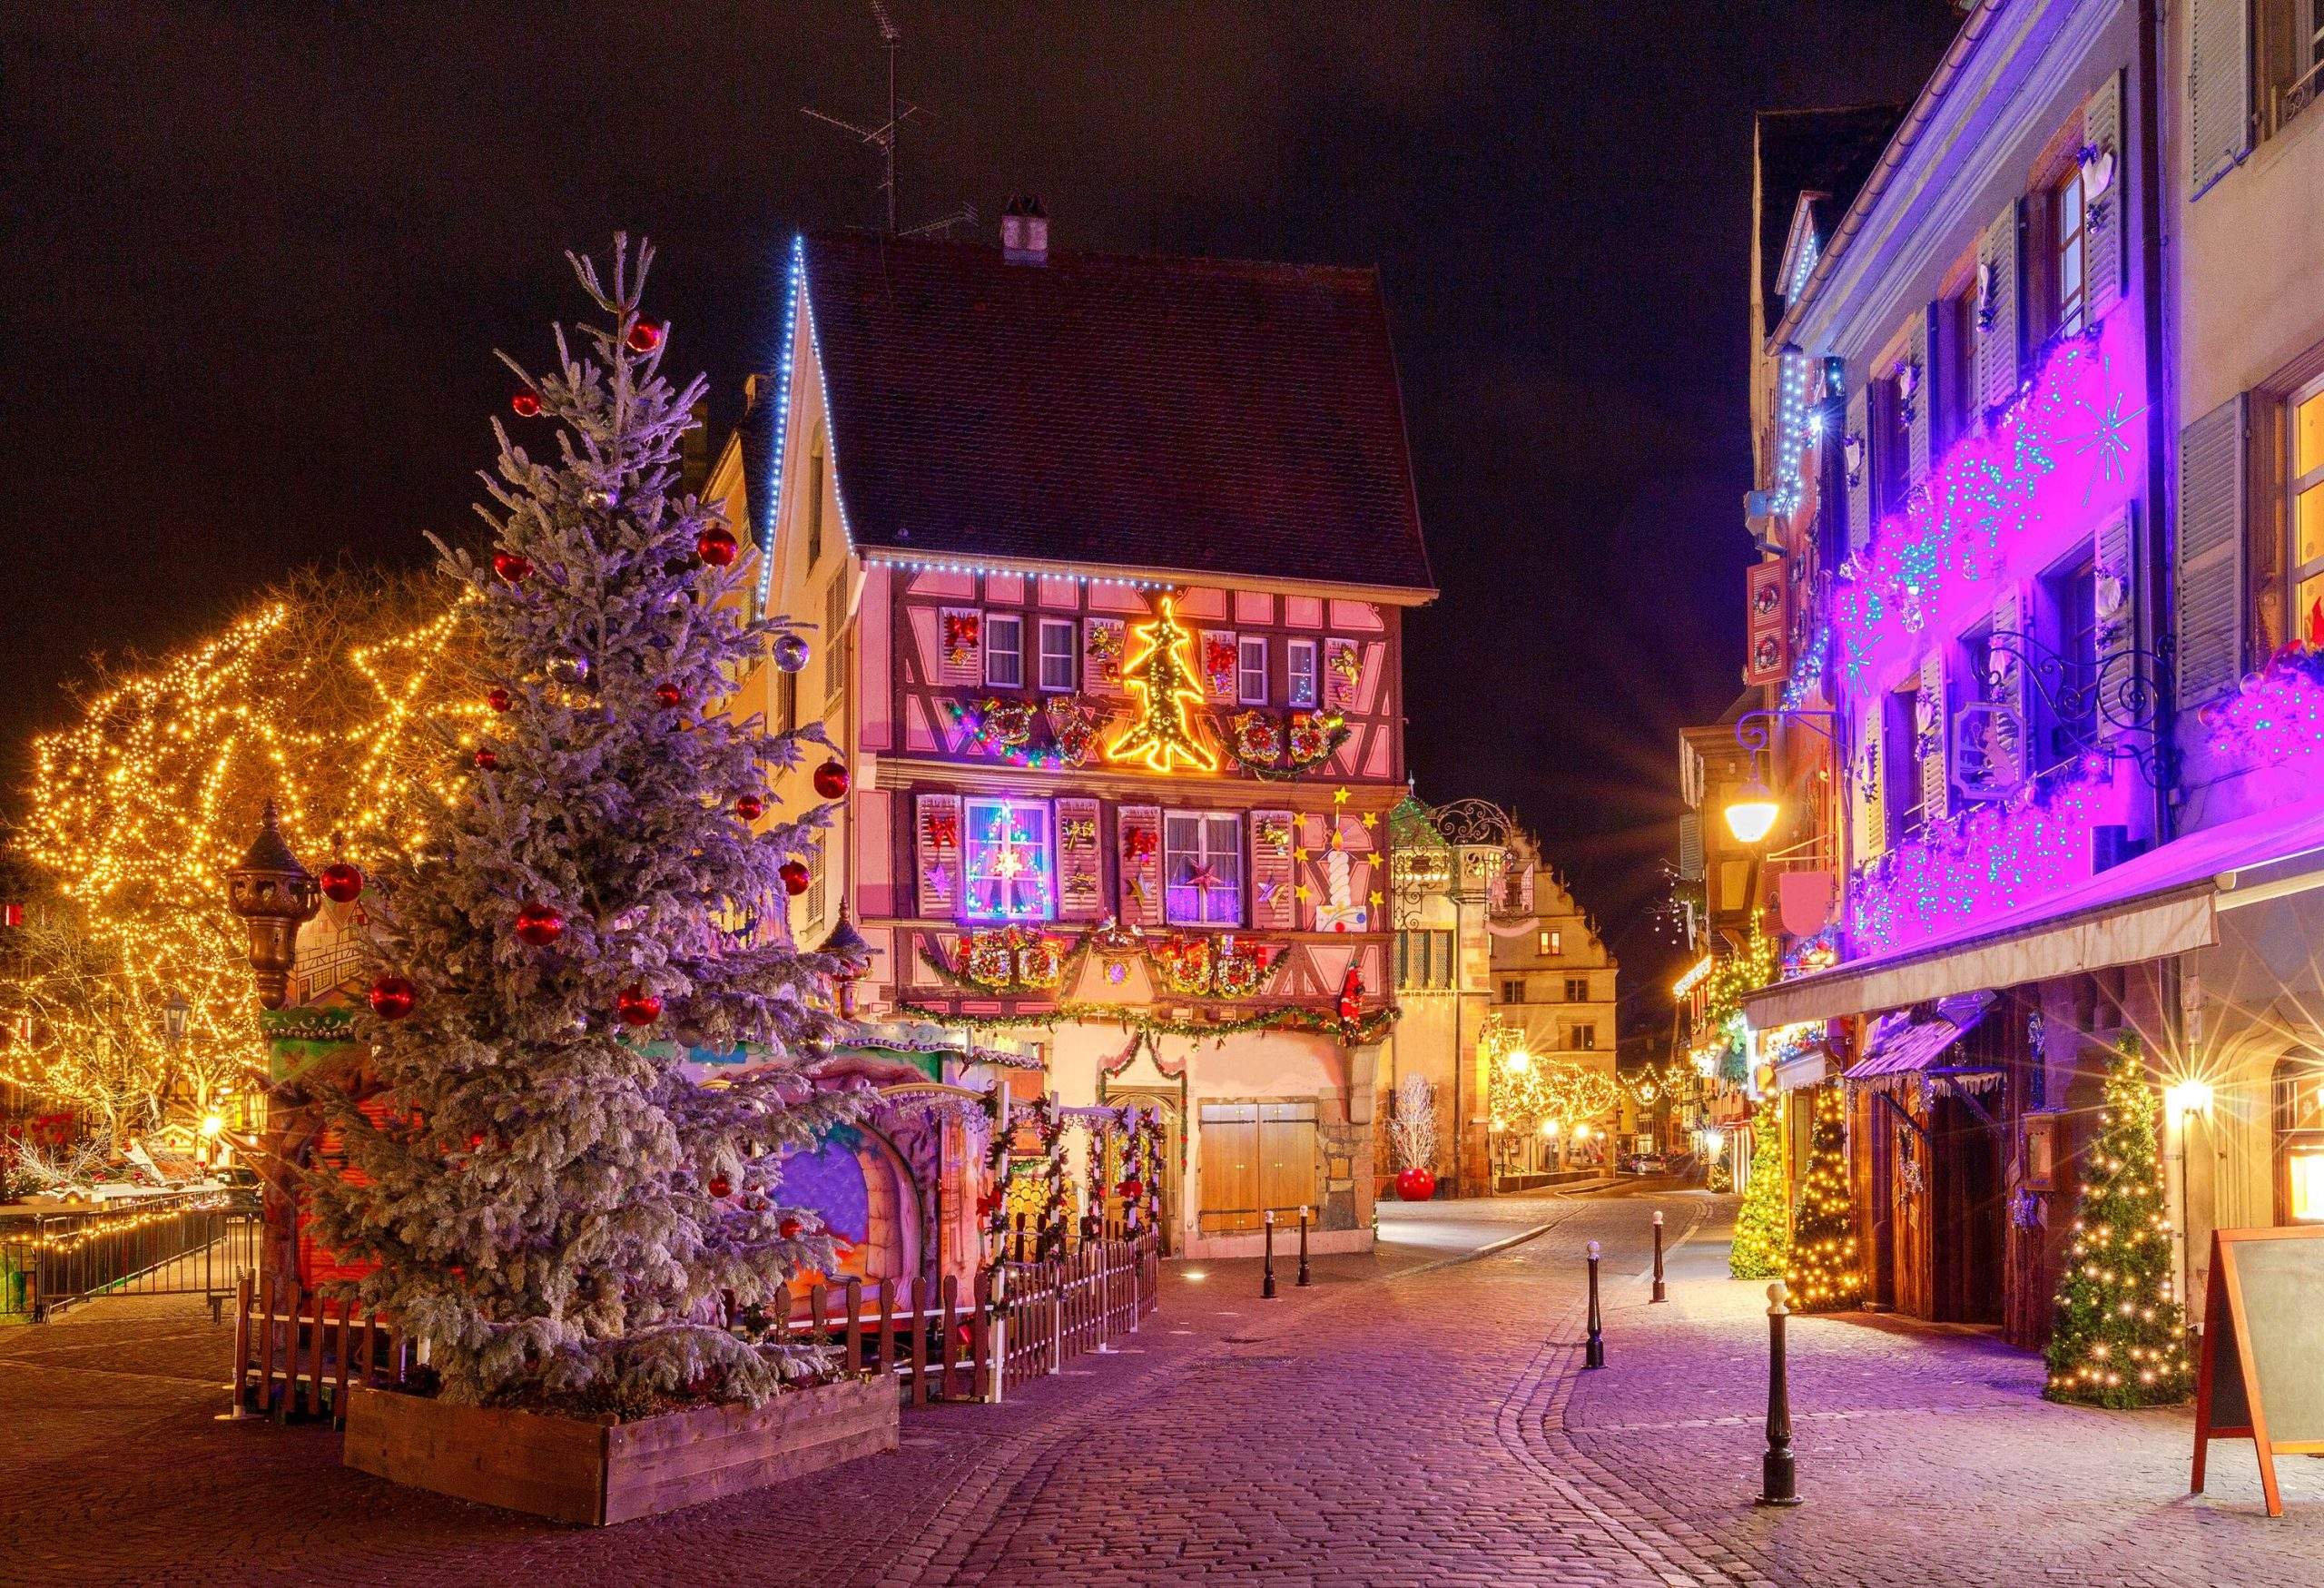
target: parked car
1647 1163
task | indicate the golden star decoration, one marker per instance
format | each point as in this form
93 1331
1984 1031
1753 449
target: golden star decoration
1372 818
1339 796
1374 897
1300 852
1302 893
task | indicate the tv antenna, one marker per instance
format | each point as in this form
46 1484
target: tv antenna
885 136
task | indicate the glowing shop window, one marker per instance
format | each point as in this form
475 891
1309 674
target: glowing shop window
1010 876
1302 653
2308 517
2304 1179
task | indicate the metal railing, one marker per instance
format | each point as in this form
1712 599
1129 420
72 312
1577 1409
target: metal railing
2299 96
188 1244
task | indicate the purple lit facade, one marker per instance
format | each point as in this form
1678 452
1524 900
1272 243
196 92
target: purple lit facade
2049 735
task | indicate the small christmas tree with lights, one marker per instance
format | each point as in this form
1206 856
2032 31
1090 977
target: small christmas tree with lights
1763 1229
1825 1275
1162 676
2119 1338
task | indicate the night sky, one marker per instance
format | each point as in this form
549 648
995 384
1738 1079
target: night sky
262 254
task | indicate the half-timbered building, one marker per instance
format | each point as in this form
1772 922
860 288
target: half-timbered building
1106 559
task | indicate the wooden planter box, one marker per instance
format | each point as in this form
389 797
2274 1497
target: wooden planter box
594 1473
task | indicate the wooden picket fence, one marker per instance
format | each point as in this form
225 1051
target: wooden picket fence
1022 1321
295 1353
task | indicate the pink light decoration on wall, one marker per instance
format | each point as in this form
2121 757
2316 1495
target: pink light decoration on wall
2064 455
1977 868
2276 718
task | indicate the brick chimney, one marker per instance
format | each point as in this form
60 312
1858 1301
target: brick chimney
1024 232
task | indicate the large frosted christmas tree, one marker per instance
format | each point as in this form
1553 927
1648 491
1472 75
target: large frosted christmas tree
2119 1338
564 1215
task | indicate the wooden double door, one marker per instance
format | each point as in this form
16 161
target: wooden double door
1256 1157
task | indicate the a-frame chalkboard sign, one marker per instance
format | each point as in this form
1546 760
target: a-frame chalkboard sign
2262 1366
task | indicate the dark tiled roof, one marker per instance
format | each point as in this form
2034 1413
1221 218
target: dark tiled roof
1829 151
1188 415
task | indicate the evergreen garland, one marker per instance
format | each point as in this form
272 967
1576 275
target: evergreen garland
1763 1229
1826 1275
2119 1338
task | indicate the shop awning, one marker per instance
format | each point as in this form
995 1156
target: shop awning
1901 1045
2158 903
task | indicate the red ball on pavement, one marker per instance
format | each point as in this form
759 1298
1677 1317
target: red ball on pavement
393 996
486 759
513 567
796 877
830 779
644 337
750 807
498 699
716 545
720 1186
637 1007
669 695
342 883
1416 1185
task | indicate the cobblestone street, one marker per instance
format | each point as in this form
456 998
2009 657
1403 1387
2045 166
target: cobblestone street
1417 1417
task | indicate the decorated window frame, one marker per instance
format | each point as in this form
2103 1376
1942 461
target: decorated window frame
1202 868
2304 512
1004 650
1007 858
1057 652
1303 661
1251 670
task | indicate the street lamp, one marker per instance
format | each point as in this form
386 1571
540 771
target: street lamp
173 1015
1752 817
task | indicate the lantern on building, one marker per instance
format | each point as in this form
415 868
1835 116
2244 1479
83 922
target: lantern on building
846 945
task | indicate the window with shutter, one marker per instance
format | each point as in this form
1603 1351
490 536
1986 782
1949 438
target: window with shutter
1931 712
2218 90
1004 650
1856 455
2002 675
2210 554
1915 400
1864 787
2000 267
835 600
2305 439
2071 592
1690 849
2105 178
2113 605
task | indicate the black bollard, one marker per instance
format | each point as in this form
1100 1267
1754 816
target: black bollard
1594 1352
1304 1279
1661 1294
1777 1480
1266 1288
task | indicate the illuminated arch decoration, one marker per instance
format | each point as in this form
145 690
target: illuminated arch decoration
1163 677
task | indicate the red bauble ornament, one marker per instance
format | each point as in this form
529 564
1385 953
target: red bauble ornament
721 1187
790 1228
1416 1185
830 779
486 759
513 567
716 545
669 695
498 699
644 337
393 996
637 1007
750 807
342 883
528 405
540 925
796 877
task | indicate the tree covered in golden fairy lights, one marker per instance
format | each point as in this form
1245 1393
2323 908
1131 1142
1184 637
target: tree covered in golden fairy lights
2119 1338
330 695
1826 1273
1762 1241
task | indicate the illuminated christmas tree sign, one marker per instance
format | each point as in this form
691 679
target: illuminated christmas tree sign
1163 677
